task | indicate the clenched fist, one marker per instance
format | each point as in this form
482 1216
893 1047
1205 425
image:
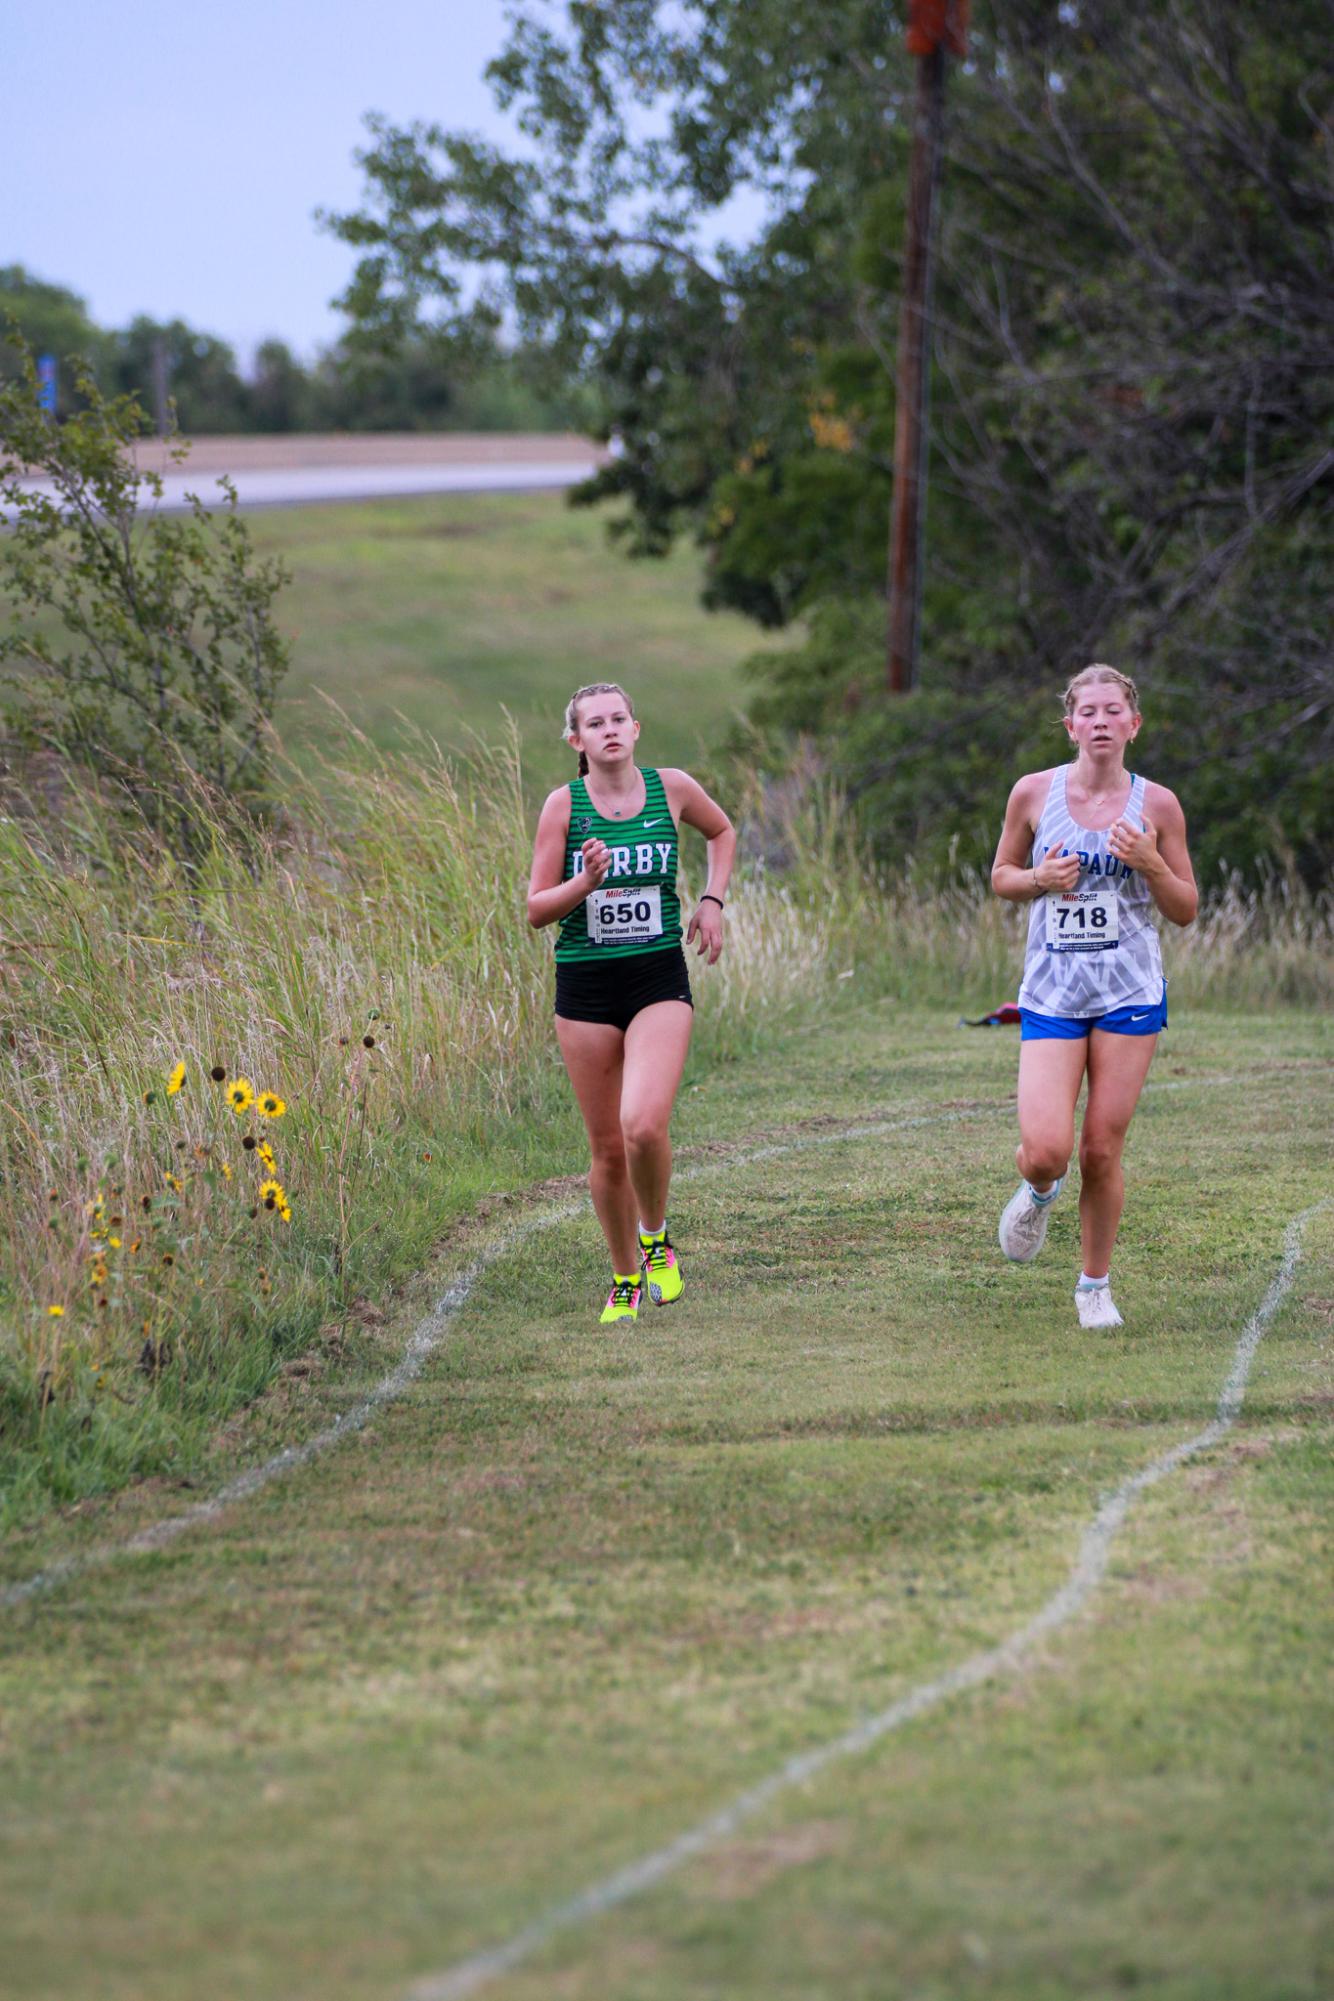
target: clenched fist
1055 870
597 860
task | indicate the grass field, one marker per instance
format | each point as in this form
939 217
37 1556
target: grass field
570 1592
575 1590
439 610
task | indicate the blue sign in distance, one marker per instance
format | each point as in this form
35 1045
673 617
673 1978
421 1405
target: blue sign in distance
46 383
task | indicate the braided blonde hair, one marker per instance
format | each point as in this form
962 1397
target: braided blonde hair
1100 671
572 711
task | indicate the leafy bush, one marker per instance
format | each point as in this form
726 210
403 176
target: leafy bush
929 774
141 647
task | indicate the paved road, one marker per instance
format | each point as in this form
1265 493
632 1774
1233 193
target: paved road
295 486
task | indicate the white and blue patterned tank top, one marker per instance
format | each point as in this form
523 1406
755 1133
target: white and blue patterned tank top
1096 948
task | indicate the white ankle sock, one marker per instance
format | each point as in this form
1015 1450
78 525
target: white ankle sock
1092 1284
645 1231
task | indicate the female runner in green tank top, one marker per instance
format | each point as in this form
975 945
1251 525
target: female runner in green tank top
604 869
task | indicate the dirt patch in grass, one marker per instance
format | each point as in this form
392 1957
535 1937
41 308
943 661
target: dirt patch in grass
744 1867
374 448
1149 1585
1239 1454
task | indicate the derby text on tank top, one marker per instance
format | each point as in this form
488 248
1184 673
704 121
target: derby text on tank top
1092 948
637 908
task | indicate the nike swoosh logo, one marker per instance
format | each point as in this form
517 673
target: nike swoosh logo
651 823
1141 1017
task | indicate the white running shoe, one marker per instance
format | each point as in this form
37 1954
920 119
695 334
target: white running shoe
1023 1223
1096 1307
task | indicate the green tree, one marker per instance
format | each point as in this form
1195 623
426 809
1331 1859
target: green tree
53 320
281 395
202 378
431 383
412 389
1133 353
140 647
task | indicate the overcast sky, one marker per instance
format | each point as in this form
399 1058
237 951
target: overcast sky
166 158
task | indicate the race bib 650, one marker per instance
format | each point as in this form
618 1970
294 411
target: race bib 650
620 914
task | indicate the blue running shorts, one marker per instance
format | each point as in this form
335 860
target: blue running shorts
1140 1020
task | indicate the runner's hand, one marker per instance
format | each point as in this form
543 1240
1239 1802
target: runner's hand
707 926
1135 849
597 860
1055 870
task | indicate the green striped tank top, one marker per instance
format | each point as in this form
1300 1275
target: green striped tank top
636 909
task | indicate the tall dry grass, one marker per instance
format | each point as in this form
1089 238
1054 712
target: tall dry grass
1251 949
365 958
910 934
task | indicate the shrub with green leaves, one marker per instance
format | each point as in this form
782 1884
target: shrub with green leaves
140 646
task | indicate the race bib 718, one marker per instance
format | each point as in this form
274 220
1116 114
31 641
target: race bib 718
1083 920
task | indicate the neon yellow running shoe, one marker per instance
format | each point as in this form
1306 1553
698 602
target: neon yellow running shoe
661 1269
623 1299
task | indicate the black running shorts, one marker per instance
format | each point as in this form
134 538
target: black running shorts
617 991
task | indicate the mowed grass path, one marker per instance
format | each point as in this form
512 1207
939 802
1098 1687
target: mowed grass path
579 1588
436 610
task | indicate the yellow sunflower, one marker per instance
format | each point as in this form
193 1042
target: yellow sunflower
176 1079
240 1095
271 1106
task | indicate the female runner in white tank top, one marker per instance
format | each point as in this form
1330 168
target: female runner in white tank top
1093 848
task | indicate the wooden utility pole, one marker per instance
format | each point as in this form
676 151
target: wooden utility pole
935 28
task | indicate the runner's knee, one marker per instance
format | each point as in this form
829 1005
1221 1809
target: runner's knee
1099 1153
608 1153
1044 1158
642 1132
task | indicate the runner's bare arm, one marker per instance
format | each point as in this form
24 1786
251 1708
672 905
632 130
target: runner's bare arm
693 807
550 897
1160 854
1012 876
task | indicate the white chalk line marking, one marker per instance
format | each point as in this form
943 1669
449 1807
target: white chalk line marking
1011 1656
426 1338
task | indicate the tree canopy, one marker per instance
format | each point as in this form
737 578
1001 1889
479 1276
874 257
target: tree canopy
1133 358
431 384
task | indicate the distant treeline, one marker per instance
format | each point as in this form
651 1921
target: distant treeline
428 385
